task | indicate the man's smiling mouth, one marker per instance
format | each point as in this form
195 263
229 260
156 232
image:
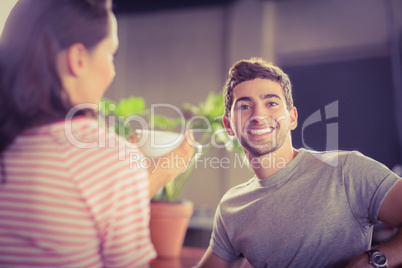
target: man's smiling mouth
260 131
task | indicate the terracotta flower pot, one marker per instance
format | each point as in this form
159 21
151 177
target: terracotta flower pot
168 225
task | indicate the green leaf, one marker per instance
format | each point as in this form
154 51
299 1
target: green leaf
165 122
105 105
195 110
211 108
130 106
210 113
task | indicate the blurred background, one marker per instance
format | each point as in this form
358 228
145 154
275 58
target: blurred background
342 56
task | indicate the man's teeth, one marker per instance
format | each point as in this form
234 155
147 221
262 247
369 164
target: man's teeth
260 131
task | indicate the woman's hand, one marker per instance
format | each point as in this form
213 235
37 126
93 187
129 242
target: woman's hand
165 168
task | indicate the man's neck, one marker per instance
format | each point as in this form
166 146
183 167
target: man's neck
267 165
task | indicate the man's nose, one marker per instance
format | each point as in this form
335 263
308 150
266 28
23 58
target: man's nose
260 116
260 120
259 112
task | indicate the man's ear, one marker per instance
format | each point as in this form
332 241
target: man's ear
77 56
293 118
228 125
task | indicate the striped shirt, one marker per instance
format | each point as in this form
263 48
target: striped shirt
75 196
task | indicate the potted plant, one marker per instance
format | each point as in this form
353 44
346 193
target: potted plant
166 207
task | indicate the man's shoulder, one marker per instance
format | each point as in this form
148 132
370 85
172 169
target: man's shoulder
333 158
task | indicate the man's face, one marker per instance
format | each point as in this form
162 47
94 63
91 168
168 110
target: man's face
259 117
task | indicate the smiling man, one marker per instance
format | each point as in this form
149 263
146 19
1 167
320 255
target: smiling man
300 211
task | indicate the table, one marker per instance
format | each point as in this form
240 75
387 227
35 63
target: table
189 257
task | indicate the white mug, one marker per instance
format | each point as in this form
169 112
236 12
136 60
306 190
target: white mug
155 143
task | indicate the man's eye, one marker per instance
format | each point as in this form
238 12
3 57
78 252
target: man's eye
272 104
244 107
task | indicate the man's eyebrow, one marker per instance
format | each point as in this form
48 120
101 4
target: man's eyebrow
269 96
244 99
263 97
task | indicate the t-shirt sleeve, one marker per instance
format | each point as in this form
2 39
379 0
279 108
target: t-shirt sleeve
220 243
367 183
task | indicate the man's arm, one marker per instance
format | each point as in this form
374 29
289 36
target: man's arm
391 214
211 260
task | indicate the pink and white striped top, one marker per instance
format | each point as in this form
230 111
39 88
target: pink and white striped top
74 197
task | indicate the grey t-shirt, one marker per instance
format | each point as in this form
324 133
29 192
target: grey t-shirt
317 211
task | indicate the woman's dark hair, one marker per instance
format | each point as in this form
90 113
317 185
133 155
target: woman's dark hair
31 93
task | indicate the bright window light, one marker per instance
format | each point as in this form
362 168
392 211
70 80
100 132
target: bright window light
5 8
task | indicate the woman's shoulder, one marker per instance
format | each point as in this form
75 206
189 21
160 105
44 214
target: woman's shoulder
83 132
